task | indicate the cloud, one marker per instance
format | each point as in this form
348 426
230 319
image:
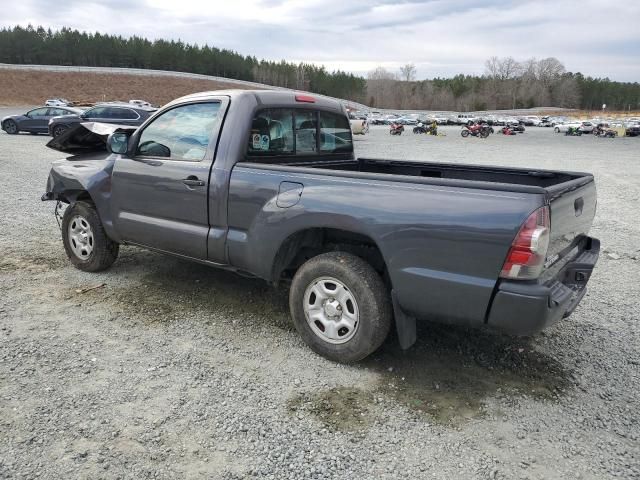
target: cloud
441 37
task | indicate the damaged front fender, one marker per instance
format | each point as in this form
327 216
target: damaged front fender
87 174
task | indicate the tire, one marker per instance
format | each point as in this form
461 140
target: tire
464 133
89 249
59 130
556 129
10 127
367 299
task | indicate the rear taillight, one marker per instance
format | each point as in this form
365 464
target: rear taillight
526 257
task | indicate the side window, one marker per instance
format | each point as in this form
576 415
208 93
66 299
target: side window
38 112
123 114
181 133
335 133
272 132
54 112
97 112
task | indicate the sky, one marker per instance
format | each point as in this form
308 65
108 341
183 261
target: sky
441 37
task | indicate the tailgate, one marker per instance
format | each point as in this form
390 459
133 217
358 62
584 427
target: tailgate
572 206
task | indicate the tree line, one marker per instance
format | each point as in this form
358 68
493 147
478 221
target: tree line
37 45
505 84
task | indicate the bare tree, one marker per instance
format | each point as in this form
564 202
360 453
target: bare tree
549 70
408 72
381 87
502 68
380 73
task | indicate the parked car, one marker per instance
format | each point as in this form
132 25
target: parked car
58 102
406 120
120 113
358 126
563 127
36 120
217 178
545 122
465 119
587 127
441 119
632 129
531 120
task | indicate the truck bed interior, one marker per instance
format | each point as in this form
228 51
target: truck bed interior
478 173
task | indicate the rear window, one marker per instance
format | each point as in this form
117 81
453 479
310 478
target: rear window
298 132
335 133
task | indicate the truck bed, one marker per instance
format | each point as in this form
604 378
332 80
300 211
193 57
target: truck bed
571 196
450 173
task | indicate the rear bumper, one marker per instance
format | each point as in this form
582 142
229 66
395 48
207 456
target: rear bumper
526 308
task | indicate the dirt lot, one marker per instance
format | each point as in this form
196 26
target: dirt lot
172 370
22 87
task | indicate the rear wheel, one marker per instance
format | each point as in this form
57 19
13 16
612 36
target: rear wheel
340 306
85 241
59 130
557 130
10 127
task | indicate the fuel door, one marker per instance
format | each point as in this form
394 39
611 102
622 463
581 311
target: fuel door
289 194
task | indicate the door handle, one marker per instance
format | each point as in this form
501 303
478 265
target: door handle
192 181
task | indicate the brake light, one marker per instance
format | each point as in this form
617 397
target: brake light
528 251
305 99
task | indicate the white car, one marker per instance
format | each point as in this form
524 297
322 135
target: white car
358 126
57 102
465 119
533 120
562 128
587 127
140 103
584 127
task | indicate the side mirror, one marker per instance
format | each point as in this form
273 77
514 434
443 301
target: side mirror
118 143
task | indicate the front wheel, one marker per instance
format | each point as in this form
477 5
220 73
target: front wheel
10 127
464 133
557 130
85 241
340 306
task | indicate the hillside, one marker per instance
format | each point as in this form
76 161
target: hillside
33 87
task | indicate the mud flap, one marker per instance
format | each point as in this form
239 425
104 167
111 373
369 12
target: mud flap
405 324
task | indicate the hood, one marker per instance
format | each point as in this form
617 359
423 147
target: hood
13 117
87 137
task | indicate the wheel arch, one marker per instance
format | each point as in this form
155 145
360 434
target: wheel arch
309 242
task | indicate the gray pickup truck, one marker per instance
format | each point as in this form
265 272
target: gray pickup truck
266 183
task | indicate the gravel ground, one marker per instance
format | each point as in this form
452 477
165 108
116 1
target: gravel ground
172 370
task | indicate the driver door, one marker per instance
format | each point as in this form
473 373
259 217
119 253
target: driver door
37 120
160 188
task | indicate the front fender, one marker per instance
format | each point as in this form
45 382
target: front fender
84 176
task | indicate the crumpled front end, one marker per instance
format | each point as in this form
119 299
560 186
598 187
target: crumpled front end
87 137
